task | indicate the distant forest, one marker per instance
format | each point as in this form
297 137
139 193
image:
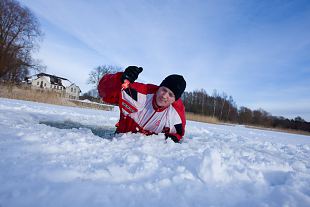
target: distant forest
225 109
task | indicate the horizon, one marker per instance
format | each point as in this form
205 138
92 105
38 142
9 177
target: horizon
255 51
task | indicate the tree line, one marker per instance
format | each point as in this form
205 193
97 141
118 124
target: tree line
224 108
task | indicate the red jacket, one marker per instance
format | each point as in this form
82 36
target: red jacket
138 111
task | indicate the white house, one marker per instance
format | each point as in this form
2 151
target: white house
55 83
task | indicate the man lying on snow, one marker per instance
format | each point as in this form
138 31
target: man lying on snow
146 108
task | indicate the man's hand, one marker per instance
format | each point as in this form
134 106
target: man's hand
131 73
173 138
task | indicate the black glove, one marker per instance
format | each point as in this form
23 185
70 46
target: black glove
131 73
173 138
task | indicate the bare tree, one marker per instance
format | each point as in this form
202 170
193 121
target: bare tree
230 106
245 115
224 96
19 34
215 95
96 74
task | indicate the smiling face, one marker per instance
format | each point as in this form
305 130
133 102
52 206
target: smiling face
164 97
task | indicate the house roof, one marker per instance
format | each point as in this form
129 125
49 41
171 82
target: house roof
56 80
66 83
52 76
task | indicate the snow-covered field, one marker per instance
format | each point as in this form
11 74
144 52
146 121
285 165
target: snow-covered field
216 165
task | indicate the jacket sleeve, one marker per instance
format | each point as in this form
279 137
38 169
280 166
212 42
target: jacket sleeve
109 87
179 127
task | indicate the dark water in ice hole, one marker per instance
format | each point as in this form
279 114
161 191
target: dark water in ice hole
103 132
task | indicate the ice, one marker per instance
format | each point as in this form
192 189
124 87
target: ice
53 156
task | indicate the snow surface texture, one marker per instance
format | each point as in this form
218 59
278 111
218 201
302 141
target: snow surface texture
42 164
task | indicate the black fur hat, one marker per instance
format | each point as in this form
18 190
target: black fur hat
175 83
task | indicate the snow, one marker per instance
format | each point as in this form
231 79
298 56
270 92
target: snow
42 164
48 79
92 102
66 83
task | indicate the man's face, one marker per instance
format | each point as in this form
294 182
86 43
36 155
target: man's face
164 97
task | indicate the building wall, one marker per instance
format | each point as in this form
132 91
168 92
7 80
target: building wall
57 88
41 82
73 92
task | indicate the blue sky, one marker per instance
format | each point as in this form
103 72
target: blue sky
256 51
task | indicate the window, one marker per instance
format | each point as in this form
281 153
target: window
38 83
71 89
45 84
74 90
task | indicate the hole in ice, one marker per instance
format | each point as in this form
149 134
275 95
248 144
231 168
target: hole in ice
277 177
103 132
